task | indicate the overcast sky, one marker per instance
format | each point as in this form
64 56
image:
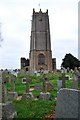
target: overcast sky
16 15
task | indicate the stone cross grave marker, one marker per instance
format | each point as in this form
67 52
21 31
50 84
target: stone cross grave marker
12 94
28 95
13 79
44 95
63 80
47 86
44 83
28 80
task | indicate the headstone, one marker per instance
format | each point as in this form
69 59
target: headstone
67 77
49 86
23 80
28 94
75 79
59 83
7 110
68 104
5 76
22 72
45 95
13 79
38 87
38 74
12 95
63 80
79 78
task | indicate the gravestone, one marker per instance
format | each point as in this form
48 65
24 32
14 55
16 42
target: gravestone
68 104
23 80
79 76
7 110
74 84
12 95
45 95
63 80
22 72
67 77
38 74
28 95
38 87
59 83
76 79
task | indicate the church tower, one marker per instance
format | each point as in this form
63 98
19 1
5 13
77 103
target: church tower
40 44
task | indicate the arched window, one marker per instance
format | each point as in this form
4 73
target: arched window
41 59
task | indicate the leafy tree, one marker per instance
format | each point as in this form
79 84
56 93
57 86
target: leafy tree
70 61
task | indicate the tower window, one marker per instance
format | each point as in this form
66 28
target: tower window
41 59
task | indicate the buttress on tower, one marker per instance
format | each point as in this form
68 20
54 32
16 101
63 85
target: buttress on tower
40 56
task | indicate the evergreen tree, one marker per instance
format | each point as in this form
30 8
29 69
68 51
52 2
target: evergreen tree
70 61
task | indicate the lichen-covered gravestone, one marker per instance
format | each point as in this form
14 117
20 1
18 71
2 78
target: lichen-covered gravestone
12 95
7 110
28 95
68 104
45 95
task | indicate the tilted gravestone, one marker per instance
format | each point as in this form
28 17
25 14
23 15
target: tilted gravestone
28 94
68 104
12 95
45 95
7 110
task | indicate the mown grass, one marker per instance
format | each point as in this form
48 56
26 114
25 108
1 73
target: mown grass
36 108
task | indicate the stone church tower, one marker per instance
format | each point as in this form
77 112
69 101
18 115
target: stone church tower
40 44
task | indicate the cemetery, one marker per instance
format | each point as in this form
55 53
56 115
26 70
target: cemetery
49 95
38 89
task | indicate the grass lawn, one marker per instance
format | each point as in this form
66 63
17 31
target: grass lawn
36 108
